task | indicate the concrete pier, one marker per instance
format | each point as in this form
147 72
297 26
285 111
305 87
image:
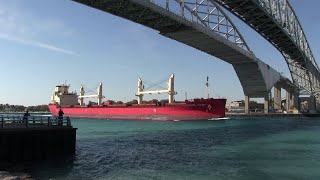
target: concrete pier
35 139
277 97
312 104
288 100
246 104
266 104
295 101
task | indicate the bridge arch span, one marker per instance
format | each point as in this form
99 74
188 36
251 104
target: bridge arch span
201 24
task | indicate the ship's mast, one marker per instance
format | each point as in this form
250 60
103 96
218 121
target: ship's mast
206 91
140 89
170 90
99 95
81 95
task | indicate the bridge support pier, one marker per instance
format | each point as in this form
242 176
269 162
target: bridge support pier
295 102
277 97
266 104
246 104
312 104
288 101
291 101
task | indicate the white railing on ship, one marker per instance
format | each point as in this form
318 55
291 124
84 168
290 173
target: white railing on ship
33 121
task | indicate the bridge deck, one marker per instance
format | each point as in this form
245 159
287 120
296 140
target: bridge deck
256 77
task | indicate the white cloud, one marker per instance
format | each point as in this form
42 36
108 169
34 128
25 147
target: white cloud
20 26
35 43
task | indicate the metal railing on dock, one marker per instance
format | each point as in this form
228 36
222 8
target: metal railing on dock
8 121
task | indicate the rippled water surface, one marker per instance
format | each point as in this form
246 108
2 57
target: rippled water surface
232 149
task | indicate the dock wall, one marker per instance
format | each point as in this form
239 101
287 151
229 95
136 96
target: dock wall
28 144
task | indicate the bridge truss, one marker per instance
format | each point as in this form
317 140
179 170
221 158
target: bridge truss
277 22
207 13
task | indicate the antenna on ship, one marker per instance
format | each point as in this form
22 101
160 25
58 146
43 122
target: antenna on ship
206 88
186 95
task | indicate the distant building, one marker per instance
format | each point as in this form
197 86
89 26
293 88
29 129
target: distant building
235 106
238 106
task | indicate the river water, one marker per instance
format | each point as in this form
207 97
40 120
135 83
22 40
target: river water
279 148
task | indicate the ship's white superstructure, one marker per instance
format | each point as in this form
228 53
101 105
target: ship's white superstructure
63 97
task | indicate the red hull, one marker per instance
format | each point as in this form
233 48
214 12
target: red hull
198 110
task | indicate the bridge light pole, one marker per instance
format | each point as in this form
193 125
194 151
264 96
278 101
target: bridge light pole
167 5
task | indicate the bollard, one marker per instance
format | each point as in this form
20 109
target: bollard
33 120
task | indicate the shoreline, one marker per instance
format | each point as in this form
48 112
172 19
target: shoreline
22 112
275 115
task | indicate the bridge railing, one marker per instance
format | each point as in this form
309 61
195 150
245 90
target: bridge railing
8 121
206 13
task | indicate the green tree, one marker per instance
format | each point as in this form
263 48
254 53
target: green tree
133 102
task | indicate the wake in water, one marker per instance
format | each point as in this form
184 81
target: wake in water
218 119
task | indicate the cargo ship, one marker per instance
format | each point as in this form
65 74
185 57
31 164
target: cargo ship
73 105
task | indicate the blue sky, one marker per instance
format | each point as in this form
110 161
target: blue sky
45 43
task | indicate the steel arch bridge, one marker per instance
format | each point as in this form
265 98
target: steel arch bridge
277 22
202 24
